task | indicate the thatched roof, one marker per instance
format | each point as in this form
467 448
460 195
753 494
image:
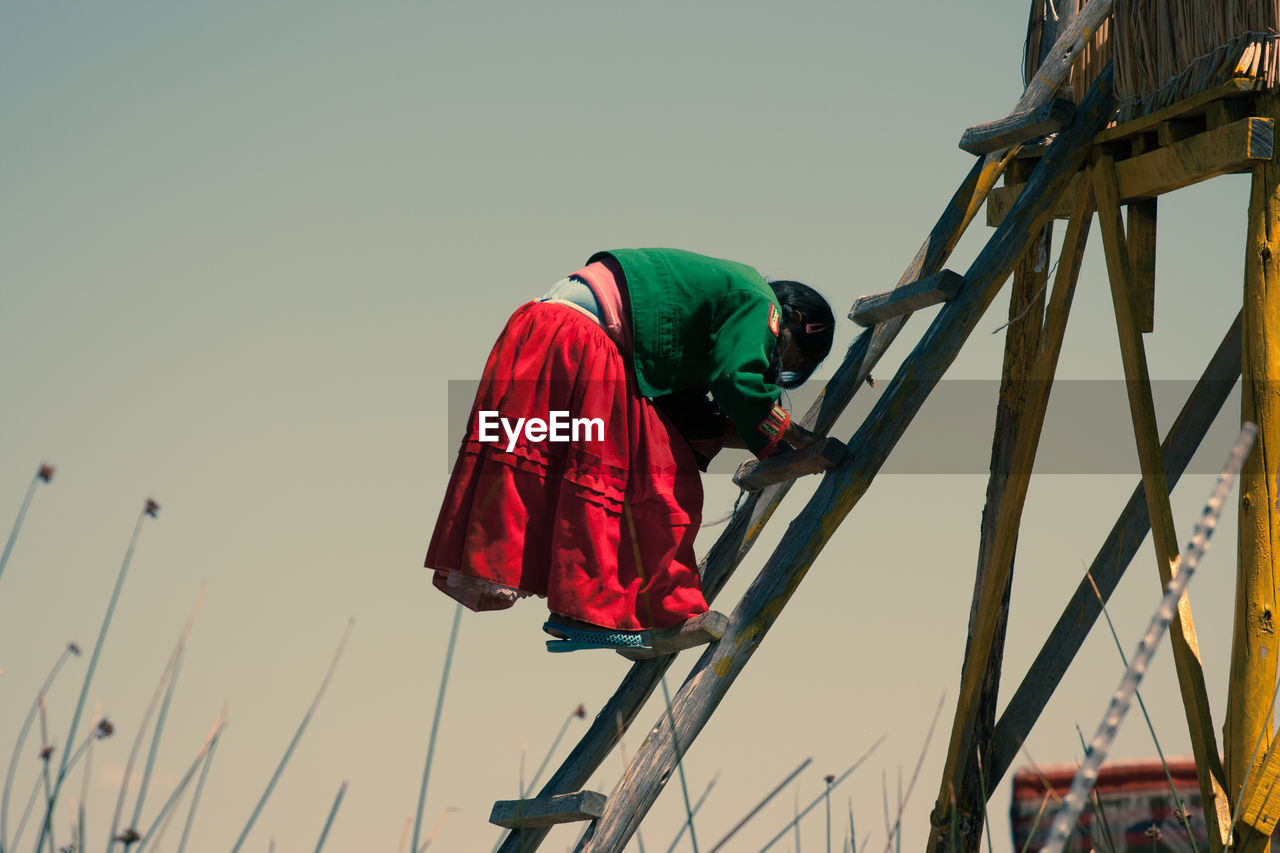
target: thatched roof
1168 50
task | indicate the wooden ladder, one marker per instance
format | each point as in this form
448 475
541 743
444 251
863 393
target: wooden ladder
848 474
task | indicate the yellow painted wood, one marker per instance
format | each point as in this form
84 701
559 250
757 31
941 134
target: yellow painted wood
1231 148
1254 648
1033 376
1261 810
1186 651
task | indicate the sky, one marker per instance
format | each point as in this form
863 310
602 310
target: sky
244 249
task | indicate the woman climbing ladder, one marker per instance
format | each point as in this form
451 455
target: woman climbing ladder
602 523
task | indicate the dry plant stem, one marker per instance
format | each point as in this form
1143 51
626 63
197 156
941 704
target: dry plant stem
767 799
47 826
201 757
46 754
167 679
404 835
435 727
1044 801
199 792
17 524
835 784
302 727
332 813
696 806
1124 661
22 739
684 786
915 774
537 776
1088 773
86 776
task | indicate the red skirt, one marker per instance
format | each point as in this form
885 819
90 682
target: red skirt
602 526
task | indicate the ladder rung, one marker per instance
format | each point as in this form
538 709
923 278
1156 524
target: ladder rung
921 293
547 811
1019 127
698 631
754 474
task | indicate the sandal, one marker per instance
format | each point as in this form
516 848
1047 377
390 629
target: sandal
572 638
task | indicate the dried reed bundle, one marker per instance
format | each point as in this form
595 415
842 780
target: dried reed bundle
1168 50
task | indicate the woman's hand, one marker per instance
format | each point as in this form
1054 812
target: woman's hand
799 437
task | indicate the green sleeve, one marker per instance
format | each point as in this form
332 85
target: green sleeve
741 342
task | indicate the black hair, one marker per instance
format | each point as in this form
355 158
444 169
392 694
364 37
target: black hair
813 333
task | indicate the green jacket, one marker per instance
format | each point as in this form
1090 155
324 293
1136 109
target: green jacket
700 322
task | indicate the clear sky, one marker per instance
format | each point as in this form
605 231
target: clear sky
244 247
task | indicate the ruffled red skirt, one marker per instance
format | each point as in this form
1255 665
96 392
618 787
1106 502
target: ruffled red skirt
602 526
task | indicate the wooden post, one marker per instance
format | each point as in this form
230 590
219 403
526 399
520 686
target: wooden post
1113 558
1031 356
1186 650
1142 259
845 484
1001 517
1253 647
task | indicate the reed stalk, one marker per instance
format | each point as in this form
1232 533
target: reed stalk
199 792
162 819
71 649
1060 830
149 510
786 780
435 726
835 784
696 806
332 814
168 678
684 786
43 475
302 727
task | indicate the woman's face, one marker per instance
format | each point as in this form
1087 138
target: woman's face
792 358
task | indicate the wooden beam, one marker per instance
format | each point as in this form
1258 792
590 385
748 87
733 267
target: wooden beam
844 485
547 811
906 299
1253 647
1018 127
1031 358
1231 148
1186 649
1113 558
1261 800
1221 151
754 474
1141 237
698 631
1239 87
1176 130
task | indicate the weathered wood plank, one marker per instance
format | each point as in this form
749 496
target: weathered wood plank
1141 236
1001 200
1018 127
1176 130
1221 151
845 484
1182 634
547 811
1114 556
1261 800
698 631
1031 358
1239 87
906 299
1231 148
1253 647
754 474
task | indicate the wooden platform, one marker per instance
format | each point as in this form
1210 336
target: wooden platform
1202 137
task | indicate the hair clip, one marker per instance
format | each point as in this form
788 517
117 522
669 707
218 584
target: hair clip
814 328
